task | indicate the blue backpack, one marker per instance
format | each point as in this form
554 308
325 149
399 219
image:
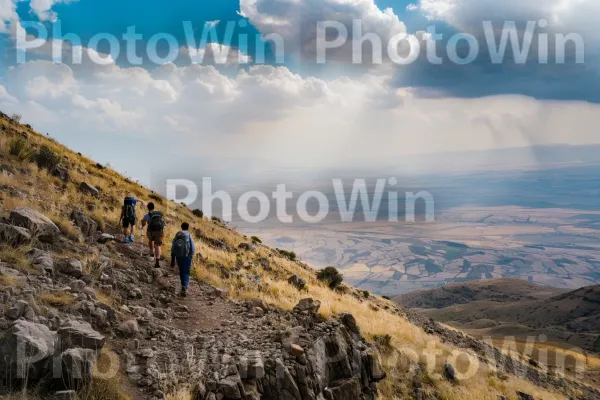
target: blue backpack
129 207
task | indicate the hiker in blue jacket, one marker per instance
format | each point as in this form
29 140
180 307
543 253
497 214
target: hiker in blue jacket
182 251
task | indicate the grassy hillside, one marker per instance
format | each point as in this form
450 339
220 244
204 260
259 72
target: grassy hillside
404 347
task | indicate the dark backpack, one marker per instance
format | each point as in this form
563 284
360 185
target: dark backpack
129 208
181 245
156 223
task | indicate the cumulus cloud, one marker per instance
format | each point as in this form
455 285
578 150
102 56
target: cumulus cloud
296 22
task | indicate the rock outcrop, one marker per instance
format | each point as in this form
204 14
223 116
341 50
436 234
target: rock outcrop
37 223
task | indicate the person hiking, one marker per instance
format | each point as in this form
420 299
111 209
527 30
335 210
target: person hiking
182 252
128 219
156 228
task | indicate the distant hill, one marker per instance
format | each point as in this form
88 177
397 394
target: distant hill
500 307
495 290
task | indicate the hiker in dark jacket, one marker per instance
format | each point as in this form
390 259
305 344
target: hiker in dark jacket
182 251
128 218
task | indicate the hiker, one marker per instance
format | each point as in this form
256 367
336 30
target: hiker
182 251
128 218
156 227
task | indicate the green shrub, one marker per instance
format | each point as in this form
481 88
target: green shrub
21 149
47 158
331 276
256 240
198 213
366 294
290 255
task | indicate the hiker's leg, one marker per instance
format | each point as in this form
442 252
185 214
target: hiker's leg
184 271
151 245
158 251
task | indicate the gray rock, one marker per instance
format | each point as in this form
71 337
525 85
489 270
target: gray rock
89 189
129 329
77 286
65 395
297 281
25 350
77 366
12 275
222 293
80 334
17 310
14 235
37 223
42 260
229 387
307 306
524 396
105 238
87 225
71 267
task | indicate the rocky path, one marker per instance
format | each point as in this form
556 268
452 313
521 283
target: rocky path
226 349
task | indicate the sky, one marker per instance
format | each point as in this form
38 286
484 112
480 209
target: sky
247 108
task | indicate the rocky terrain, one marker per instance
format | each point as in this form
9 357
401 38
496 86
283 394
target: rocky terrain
88 316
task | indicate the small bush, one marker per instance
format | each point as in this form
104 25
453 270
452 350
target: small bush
16 118
366 294
331 276
386 297
383 342
256 240
216 219
290 255
21 149
47 158
198 213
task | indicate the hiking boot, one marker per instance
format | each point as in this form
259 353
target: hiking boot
127 240
183 292
157 263
132 238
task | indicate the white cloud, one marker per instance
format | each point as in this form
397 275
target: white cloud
216 53
580 16
211 24
43 8
296 22
274 115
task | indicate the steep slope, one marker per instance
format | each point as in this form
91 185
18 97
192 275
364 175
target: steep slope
76 296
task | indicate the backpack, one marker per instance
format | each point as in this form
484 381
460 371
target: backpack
181 245
156 223
129 207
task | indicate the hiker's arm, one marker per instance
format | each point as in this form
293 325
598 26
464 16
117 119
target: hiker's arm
172 260
192 247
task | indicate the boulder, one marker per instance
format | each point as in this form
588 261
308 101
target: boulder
37 223
14 235
71 267
25 350
129 329
65 395
348 389
61 173
77 367
89 189
105 238
296 350
307 306
12 276
297 281
77 286
87 225
17 310
80 334
42 260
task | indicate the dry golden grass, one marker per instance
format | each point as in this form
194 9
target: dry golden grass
181 394
17 258
56 299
